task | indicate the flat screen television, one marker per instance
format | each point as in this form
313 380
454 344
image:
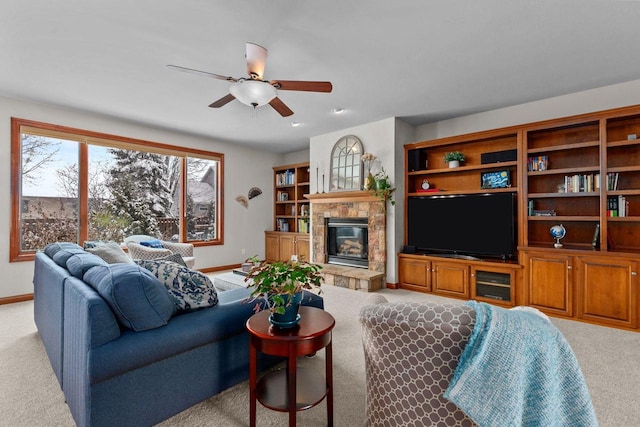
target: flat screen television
471 225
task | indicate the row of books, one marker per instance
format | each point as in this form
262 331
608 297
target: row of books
285 178
612 181
303 226
537 163
617 206
581 183
282 225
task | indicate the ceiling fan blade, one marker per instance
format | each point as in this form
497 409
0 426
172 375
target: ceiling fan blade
280 107
302 85
222 101
256 59
202 73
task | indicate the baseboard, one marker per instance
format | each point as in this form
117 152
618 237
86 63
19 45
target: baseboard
219 268
16 298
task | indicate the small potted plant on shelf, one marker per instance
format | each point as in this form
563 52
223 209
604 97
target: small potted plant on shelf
383 187
453 158
280 285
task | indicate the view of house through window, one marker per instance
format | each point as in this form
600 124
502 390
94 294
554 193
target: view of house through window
74 187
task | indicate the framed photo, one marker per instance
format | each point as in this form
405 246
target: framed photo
495 179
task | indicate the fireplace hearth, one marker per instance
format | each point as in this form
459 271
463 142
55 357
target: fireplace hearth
347 241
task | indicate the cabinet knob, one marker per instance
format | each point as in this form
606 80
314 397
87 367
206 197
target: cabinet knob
633 273
569 267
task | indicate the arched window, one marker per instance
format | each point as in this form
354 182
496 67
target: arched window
346 167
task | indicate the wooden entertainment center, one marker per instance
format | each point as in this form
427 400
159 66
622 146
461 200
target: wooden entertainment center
582 172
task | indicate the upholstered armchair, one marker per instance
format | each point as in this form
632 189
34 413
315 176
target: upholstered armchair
411 351
139 251
456 365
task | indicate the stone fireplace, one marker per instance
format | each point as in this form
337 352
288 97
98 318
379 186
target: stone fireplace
349 206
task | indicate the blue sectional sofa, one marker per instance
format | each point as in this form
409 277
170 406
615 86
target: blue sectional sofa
112 374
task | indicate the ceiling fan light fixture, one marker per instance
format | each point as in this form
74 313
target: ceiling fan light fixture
254 93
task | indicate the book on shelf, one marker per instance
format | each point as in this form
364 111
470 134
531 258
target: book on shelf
537 163
285 178
581 183
617 206
544 212
612 181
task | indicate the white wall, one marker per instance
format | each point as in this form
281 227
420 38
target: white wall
588 101
296 157
244 168
377 138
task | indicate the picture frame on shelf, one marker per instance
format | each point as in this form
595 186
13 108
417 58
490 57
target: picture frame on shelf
495 179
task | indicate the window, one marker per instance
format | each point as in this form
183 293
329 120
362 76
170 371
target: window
75 185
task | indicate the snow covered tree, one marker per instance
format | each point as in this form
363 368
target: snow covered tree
140 190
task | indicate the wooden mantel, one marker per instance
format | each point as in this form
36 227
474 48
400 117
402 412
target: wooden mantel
343 197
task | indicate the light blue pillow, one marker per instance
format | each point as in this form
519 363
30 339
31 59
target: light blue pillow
138 300
155 243
190 289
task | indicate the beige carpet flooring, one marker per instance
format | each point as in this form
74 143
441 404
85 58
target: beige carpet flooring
30 395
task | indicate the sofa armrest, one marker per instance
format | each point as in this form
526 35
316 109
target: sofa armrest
414 346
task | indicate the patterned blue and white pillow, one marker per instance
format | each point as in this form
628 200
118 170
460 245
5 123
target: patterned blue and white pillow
189 289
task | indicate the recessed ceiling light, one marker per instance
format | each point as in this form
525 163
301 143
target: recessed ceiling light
295 124
337 110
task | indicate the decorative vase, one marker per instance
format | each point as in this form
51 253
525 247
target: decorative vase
290 317
370 182
454 163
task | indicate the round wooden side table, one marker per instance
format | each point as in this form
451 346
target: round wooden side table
294 389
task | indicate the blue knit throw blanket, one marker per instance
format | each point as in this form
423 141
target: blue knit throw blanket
518 370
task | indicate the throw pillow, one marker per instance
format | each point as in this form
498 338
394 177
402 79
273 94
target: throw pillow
177 258
138 300
155 243
112 253
190 289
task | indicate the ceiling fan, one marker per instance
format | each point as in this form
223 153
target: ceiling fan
253 90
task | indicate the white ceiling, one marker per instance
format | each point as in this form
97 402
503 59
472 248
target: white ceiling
420 60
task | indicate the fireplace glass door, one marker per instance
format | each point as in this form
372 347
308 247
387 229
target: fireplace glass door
348 241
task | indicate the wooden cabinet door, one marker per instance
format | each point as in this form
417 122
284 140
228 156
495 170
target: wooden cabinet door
450 279
413 272
549 282
272 247
303 247
287 246
607 290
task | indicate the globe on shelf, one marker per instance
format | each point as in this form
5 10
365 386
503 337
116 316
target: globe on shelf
557 232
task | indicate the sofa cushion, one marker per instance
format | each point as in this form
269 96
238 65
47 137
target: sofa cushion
155 243
62 256
111 252
139 301
52 248
78 264
190 289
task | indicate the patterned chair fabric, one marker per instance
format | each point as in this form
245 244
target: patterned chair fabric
411 352
138 251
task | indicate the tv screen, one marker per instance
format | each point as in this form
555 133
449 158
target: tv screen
477 225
